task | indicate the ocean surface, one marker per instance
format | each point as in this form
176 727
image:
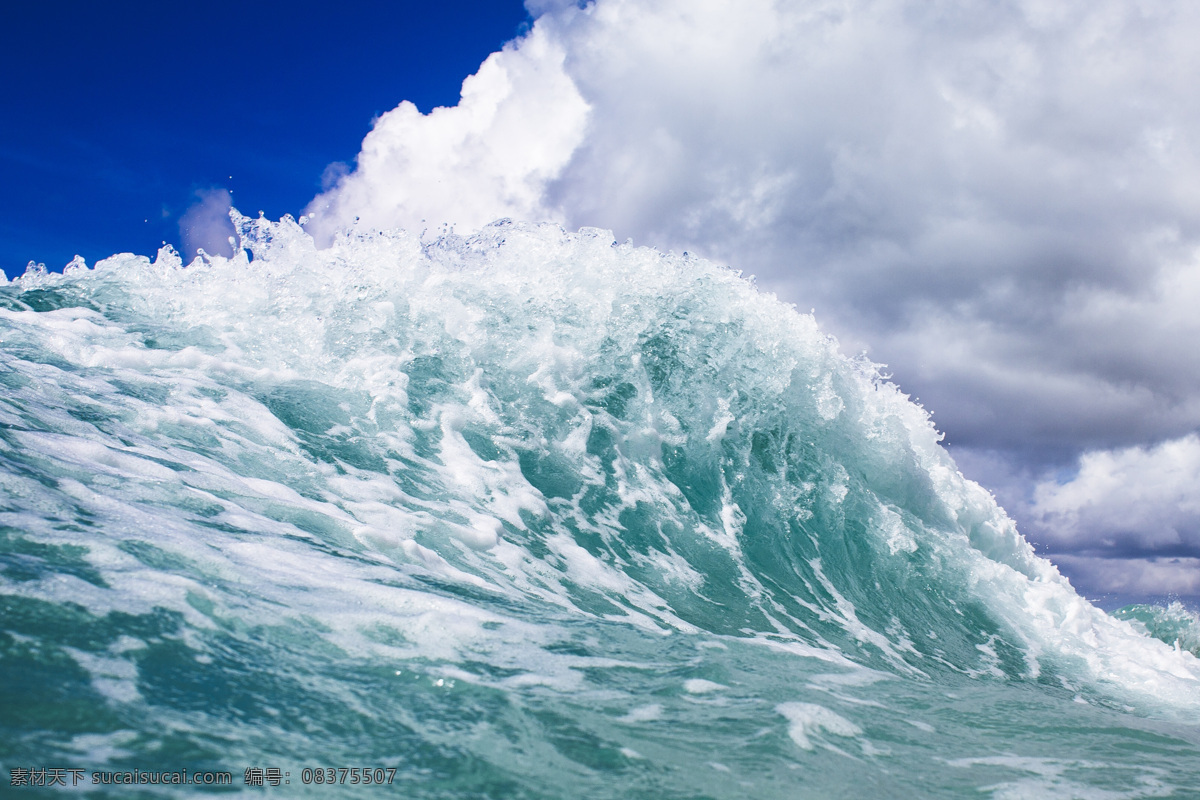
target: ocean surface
523 514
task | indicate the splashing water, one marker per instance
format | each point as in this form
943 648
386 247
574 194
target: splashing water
1173 624
524 514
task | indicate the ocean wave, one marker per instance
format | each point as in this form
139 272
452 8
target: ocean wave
520 497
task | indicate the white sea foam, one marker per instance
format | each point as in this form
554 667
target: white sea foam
702 686
809 721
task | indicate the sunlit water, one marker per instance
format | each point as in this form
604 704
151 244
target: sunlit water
526 514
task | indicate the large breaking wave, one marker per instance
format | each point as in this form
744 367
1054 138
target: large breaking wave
524 513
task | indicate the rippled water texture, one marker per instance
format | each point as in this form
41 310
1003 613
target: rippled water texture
526 514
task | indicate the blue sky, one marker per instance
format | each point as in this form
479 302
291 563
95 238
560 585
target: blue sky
115 114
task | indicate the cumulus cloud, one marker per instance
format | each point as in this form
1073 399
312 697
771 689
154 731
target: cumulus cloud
1131 502
206 225
998 198
518 122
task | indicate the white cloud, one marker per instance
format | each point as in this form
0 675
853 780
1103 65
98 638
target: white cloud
518 122
999 198
1132 501
206 224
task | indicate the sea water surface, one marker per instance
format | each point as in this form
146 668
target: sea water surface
525 514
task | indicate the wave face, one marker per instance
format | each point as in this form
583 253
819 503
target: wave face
524 514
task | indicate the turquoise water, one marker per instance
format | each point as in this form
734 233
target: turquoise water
525 514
